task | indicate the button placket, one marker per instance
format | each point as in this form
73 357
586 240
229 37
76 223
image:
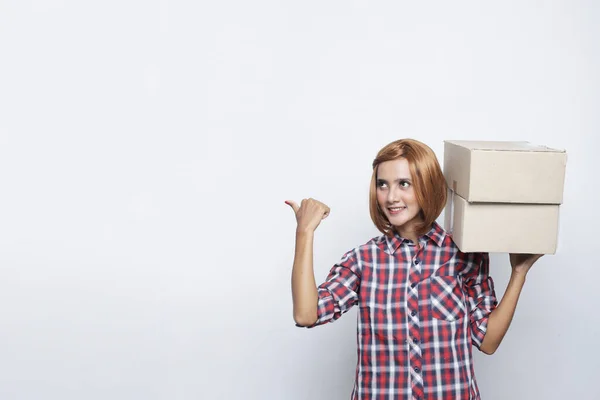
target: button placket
412 303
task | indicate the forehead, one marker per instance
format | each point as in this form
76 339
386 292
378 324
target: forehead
394 169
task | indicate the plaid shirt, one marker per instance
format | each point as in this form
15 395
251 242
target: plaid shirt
420 312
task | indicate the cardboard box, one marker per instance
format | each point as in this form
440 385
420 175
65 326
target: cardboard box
505 172
504 196
502 227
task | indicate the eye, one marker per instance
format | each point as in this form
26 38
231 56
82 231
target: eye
381 184
404 184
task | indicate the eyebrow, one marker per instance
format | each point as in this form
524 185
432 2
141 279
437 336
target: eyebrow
395 180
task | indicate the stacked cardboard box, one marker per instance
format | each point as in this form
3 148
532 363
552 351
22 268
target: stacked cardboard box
504 196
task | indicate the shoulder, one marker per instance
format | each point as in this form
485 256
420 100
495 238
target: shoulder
471 262
474 263
366 251
451 247
375 243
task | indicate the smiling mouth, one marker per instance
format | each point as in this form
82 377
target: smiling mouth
394 210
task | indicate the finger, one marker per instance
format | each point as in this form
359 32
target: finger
293 204
326 214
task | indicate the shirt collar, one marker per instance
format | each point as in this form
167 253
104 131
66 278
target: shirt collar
436 234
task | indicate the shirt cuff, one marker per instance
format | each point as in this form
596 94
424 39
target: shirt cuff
325 309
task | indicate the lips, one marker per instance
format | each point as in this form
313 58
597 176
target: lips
395 210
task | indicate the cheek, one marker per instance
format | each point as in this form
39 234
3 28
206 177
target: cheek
411 198
381 198
414 204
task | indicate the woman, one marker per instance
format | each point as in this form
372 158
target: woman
422 302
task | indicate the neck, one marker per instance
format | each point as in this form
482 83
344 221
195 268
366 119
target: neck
408 230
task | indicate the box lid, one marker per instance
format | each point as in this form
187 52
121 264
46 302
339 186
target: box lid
503 146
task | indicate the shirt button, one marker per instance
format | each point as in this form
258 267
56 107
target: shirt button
416 341
413 313
417 370
417 261
412 285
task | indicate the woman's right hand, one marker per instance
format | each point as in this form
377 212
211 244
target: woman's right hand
309 214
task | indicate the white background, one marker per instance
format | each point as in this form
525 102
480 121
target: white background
147 148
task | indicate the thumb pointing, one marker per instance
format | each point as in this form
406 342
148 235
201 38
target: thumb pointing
292 204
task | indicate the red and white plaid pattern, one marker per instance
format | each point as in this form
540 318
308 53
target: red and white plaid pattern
420 312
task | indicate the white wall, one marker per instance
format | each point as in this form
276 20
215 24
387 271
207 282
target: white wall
147 148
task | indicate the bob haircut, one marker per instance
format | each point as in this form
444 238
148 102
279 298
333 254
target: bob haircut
427 179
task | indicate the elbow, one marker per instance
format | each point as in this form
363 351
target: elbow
304 319
488 349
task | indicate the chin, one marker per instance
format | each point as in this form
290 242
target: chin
398 223
401 222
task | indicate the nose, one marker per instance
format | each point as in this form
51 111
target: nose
393 195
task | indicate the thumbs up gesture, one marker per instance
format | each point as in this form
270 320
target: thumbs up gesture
309 214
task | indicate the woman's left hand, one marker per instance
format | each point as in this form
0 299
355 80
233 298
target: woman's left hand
521 263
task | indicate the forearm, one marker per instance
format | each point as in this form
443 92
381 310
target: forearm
304 289
500 319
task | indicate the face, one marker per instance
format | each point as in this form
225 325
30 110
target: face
396 196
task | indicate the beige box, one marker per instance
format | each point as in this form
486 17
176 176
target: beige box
502 227
504 196
505 172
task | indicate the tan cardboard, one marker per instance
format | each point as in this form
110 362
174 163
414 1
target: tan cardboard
505 172
502 227
504 196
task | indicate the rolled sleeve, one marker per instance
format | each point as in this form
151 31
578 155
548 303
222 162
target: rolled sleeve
339 292
481 297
